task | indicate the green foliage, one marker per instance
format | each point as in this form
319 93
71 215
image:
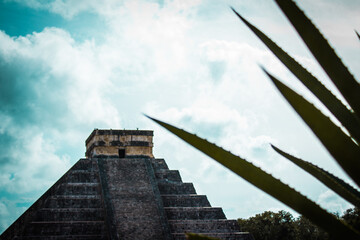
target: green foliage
281 226
306 230
343 147
347 118
352 217
336 184
324 54
270 225
330 135
266 182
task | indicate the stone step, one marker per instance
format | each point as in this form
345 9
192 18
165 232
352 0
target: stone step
192 213
159 163
186 200
65 228
78 189
63 237
168 175
82 176
204 226
222 236
70 214
84 164
74 201
176 188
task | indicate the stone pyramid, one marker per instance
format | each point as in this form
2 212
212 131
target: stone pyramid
120 191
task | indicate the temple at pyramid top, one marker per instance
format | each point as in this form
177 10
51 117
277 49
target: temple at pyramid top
120 191
122 143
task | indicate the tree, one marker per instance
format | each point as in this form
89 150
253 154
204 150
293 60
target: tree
307 230
270 225
352 217
282 225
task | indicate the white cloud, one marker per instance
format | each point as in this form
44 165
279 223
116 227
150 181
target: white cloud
4 212
68 9
158 60
71 66
63 87
3 209
331 201
33 164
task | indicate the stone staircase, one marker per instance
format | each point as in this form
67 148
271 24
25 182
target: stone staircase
74 208
188 212
122 198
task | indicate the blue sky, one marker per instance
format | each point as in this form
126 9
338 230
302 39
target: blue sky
68 67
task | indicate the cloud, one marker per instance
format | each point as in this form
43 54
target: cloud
55 90
67 9
54 71
50 85
330 201
180 61
39 165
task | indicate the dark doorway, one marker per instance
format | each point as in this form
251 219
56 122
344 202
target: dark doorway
121 153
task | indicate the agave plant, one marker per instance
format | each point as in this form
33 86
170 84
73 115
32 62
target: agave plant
343 146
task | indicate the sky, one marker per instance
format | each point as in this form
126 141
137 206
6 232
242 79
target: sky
67 67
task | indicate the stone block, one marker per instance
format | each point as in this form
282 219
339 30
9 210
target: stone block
74 201
158 163
204 226
79 189
70 214
165 175
176 188
65 228
192 213
185 200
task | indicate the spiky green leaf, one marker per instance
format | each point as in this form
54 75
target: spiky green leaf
324 54
339 145
348 119
267 183
339 186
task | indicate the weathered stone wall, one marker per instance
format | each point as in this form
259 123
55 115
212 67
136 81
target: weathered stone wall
188 212
129 151
71 209
108 139
130 190
108 142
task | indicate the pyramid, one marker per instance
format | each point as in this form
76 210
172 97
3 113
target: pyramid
120 191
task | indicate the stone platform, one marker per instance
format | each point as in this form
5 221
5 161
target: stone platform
122 198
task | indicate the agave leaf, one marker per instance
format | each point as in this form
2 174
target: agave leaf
267 183
194 236
339 145
336 184
340 111
324 54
